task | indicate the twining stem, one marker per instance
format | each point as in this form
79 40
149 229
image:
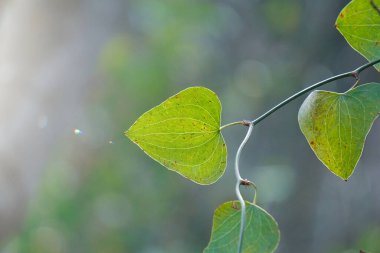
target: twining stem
355 73
241 181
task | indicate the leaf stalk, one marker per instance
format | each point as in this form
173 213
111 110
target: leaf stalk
243 122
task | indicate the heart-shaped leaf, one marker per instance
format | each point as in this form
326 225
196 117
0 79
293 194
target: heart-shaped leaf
183 134
359 23
336 125
261 233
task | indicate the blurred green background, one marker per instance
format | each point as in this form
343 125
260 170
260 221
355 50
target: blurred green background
96 65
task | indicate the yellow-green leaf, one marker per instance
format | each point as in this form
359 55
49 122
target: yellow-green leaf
359 23
336 125
261 233
183 134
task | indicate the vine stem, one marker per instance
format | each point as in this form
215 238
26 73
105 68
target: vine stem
355 73
240 181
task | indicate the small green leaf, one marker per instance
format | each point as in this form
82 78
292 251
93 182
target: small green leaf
359 23
336 125
261 233
183 134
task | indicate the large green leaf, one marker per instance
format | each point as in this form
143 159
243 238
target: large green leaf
261 234
336 125
359 23
183 134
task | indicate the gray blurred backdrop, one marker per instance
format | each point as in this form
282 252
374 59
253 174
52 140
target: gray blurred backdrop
75 74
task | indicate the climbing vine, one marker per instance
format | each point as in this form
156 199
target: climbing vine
184 134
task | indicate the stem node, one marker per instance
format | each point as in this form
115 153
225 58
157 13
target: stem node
245 182
246 123
355 74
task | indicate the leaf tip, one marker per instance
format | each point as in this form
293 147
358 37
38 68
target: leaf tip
344 177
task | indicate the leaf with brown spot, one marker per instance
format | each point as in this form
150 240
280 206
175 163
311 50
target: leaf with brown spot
336 125
359 23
